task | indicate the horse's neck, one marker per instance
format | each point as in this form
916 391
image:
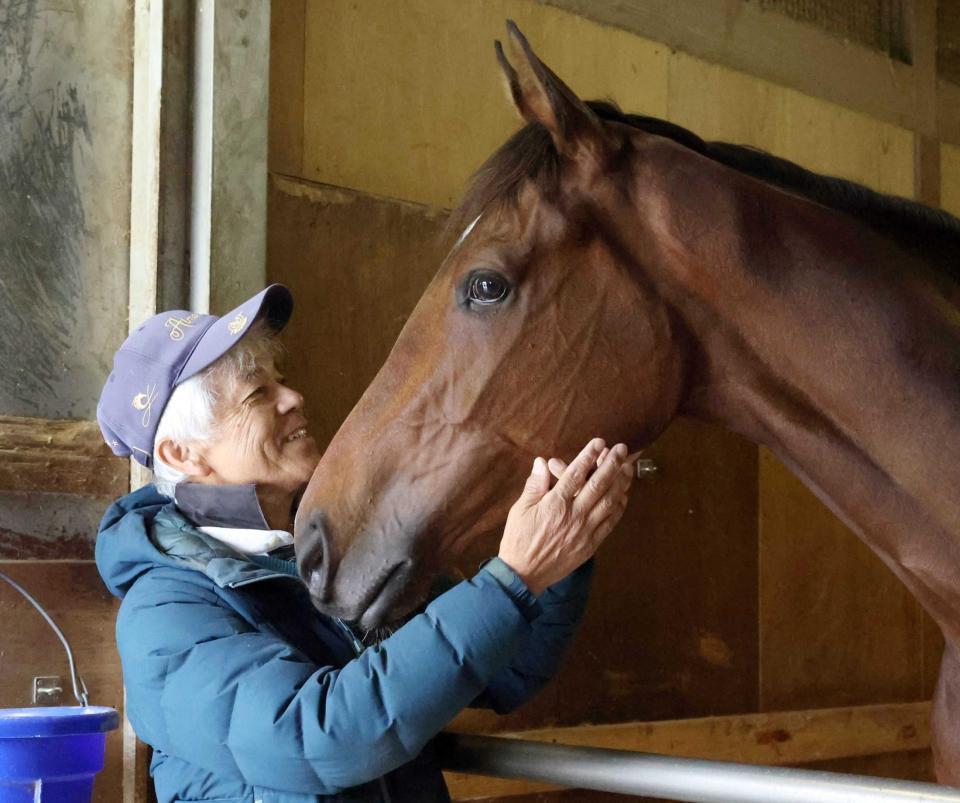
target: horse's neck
819 343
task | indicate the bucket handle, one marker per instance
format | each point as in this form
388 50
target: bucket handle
79 687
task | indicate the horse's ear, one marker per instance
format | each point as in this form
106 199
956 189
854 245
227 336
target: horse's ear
541 97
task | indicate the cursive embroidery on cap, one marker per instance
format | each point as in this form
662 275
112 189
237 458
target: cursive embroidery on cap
144 403
175 324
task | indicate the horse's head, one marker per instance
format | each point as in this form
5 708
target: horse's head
538 332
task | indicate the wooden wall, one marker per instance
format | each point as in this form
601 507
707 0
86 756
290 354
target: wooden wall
728 589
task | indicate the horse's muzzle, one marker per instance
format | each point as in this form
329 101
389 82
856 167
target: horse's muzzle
315 559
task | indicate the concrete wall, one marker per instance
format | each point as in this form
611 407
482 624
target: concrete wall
65 196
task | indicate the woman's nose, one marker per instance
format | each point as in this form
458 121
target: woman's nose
289 399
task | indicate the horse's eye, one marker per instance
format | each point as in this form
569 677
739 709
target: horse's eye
487 288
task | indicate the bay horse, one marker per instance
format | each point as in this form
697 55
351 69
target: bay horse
618 272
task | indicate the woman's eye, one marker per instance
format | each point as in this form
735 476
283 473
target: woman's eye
487 288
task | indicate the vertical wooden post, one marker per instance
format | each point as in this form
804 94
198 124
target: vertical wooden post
144 245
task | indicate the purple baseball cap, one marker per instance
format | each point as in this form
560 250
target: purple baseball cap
164 351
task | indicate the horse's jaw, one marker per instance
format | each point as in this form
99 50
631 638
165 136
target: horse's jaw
370 546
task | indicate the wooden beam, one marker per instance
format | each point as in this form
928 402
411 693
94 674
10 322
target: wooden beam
781 738
69 457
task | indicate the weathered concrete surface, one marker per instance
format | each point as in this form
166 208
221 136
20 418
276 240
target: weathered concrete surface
238 210
64 201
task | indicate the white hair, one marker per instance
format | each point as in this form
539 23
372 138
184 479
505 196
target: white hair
191 412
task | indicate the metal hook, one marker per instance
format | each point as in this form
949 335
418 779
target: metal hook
79 687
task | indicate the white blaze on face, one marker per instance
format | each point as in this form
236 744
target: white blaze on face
466 232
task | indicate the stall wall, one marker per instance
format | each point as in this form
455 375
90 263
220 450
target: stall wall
728 588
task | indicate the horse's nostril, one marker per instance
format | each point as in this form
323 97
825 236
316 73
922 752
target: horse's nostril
313 557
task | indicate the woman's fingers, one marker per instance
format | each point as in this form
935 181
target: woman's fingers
605 525
573 478
603 480
558 466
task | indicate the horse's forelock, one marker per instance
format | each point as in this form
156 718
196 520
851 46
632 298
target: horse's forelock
527 155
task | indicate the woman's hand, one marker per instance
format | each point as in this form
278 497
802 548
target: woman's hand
550 532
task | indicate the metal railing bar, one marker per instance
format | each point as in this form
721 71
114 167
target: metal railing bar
694 780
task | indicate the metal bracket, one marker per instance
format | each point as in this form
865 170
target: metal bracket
646 468
47 690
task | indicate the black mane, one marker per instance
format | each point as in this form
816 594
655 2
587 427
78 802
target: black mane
931 234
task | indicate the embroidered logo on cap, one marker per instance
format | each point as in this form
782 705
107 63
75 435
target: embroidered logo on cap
175 324
237 324
144 402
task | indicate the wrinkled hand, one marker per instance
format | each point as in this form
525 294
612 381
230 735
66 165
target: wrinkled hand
550 532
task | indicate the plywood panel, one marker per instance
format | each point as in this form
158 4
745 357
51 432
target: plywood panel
950 179
76 598
819 135
405 99
287 42
671 628
357 267
837 627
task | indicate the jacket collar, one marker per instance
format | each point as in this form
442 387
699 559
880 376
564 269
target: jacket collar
230 506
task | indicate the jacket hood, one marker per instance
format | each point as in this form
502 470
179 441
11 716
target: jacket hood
124 550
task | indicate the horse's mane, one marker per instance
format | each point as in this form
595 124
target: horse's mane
929 233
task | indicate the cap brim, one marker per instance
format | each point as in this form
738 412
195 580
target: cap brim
274 304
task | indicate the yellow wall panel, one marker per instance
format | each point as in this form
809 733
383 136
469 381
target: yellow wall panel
405 100
950 179
719 103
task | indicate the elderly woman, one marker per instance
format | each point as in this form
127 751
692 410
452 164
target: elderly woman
243 690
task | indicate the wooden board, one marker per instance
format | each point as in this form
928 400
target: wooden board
56 480
64 456
287 54
837 627
950 179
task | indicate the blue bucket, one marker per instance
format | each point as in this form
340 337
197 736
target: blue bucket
51 755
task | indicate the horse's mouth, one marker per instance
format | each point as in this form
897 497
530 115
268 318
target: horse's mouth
378 609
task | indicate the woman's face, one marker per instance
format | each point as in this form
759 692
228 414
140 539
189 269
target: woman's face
261 435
